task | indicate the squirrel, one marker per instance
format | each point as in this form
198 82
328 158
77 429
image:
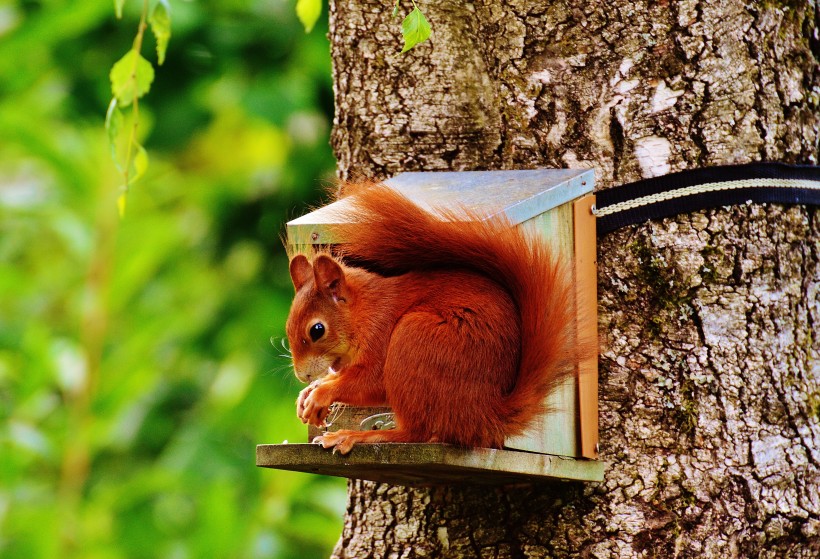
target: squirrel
464 330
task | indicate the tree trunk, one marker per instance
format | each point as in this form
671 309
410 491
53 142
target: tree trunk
709 322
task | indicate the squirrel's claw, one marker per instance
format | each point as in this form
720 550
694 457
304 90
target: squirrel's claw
309 406
341 441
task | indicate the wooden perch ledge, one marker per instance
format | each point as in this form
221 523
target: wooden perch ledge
428 464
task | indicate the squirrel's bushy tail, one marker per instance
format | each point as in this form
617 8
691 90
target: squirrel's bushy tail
387 229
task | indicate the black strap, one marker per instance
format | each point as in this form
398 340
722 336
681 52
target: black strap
710 187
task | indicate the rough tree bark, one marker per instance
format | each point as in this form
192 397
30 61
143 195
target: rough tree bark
709 322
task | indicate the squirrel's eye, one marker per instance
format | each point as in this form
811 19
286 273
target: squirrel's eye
317 331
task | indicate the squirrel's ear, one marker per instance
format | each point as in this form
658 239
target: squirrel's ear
300 271
330 277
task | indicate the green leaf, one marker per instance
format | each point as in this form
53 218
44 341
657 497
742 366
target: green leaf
396 8
131 78
113 125
308 12
118 4
160 21
140 164
415 28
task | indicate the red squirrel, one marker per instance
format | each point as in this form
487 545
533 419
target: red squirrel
463 336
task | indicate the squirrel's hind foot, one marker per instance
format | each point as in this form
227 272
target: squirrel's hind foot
344 439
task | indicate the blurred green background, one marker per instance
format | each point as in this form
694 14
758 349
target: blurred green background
136 367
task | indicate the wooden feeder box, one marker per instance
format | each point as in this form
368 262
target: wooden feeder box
555 204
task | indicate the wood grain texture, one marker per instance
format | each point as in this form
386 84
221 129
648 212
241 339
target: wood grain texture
586 297
429 464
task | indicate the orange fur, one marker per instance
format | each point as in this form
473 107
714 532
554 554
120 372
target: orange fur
463 335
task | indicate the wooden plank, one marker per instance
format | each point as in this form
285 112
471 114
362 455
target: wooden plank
428 464
557 431
586 284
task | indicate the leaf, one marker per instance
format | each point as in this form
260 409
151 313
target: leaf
415 28
118 4
131 78
396 8
113 125
160 21
308 12
140 164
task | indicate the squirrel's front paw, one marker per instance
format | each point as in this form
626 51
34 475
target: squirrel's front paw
312 406
300 401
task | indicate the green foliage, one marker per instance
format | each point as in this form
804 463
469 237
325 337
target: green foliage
160 22
131 78
415 28
308 12
118 6
136 375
